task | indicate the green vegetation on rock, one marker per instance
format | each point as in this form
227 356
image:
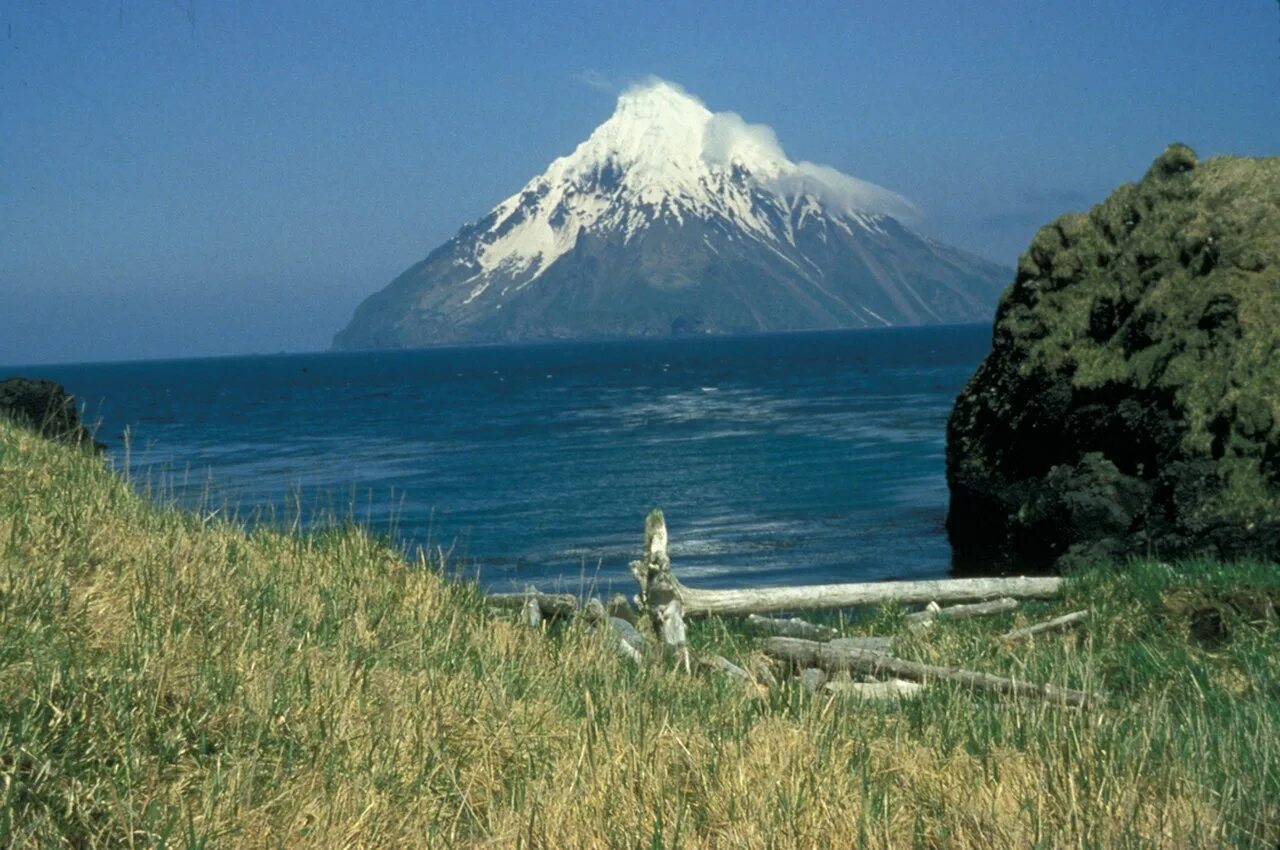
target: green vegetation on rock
44 406
1130 405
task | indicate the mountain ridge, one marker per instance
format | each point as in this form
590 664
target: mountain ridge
672 219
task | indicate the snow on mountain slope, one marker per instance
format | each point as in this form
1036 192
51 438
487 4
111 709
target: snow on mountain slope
670 218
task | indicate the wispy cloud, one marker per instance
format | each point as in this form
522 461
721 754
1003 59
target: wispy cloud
593 79
727 136
1038 205
1017 220
1048 197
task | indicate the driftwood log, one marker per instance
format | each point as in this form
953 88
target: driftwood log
723 666
626 639
1066 621
894 689
871 643
620 634
804 654
658 586
835 596
794 627
812 679
957 612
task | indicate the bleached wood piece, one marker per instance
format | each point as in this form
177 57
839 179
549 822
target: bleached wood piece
762 670
673 633
834 596
624 638
593 611
957 612
804 653
894 689
795 627
552 604
658 585
720 664
1066 621
673 630
628 633
653 571
620 634
629 652
618 606
874 644
812 678
532 612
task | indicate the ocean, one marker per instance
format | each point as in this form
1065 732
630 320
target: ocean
778 459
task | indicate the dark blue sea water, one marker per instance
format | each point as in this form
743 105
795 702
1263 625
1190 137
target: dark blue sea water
778 459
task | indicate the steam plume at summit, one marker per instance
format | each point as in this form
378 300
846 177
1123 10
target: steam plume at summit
727 135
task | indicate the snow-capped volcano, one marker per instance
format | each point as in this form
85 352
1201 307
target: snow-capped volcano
671 218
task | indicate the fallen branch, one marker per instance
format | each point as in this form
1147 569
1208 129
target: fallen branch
804 653
720 664
870 644
892 689
626 639
794 627
957 612
1066 621
621 635
659 585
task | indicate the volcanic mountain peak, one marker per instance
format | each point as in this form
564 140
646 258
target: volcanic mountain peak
655 137
662 154
671 218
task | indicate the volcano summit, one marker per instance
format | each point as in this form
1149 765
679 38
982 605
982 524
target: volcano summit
672 219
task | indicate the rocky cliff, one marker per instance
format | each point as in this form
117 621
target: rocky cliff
1131 403
46 407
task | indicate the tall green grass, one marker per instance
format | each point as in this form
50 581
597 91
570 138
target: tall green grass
171 679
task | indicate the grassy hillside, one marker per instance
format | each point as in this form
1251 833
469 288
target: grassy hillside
169 679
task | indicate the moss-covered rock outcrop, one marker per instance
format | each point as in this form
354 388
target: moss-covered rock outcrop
1131 402
45 406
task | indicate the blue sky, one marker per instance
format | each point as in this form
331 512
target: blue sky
185 178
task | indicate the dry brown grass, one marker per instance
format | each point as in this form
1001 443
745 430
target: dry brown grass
170 679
